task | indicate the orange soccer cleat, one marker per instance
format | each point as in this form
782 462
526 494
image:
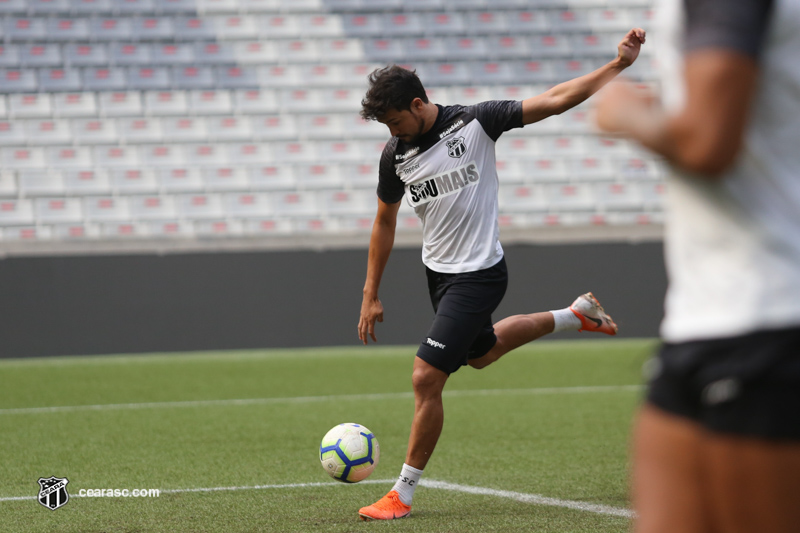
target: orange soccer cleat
387 508
592 315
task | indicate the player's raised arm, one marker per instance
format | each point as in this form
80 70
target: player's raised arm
380 246
567 95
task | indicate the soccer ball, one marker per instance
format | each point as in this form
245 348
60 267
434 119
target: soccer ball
349 452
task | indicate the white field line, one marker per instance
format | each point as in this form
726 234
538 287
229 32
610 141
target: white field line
521 497
317 399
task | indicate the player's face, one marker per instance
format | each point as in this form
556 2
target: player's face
406 125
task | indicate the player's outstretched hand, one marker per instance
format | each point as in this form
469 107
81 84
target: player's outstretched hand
629 47
371 310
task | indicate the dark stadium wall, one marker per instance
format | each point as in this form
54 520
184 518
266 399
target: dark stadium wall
160 303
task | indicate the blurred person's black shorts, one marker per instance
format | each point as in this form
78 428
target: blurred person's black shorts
463 303
747 385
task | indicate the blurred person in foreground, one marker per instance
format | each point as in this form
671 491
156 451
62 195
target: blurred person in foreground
442 160
717 443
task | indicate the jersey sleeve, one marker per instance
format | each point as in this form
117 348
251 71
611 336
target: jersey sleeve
738 25
498 116
390 186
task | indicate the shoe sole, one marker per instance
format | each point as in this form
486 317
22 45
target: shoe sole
367 518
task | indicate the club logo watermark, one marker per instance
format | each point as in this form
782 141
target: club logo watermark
53 492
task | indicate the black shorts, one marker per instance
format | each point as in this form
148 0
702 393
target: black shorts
747 385
463 327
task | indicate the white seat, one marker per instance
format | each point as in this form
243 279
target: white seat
235 27
69 156
360 174
184 129
568 20
508 47
217 227
324 75
13 132
371 149
166 102
618 196
322 126
267 226
524 22
282 26
299 51
384 49
10 7
8 183
180 179
247 101
248 204
133 180
152 207
570 197
517 147
608 18
321 25
95 131
214 53
106 208
25 28
10 55
543 169
174 54
317 175
653 194
152 28
521 198
19 157
486 22
280 76
93 7
123 229
226 178
207 154
178 6
200 206
402 24
561 145
27 233
48 131
217 6
77 230
444 23
362 24
295 151
342 202
294 203
58 79
15 211
470 95
140 129
161 155
271 177
127 54
169 228
58 209
111 28
148 78
314 6
304 100
249 153
229 128
342 50
255 52
425 49
210 102
533 71
590 167
605 145
339 150
576 120
356 127
40 182
120 103
74 104
116 156
635 168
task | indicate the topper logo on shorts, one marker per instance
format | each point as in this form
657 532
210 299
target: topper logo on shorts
444 184
435 344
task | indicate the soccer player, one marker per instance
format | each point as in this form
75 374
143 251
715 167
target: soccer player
442 159
717 442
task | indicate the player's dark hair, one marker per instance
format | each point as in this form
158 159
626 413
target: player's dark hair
390 88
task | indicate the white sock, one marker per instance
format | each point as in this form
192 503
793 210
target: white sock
565 320
407 483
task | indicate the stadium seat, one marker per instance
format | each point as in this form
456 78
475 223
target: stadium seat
568 20
653 195
517 147
13 132
9 56
341 202
169 228
508 47
521 198
464 48
294 151
321 25
486 23
592 166
58 79
317 175
362 25
111 29
85 55
567 69
248 101
217 6
50 210
280 76
193 77
69 156
235 27
152 28
210 102
40 182
561 145
184 129
74 104
443 23
299 51
533 71
133 180
193 28
217 228
14 211
140 129
225 178
106 208
322 75
166 102
120 103
229 128
39 55
178 6
447 73
199 205
358 128
152 207
174 54
635 168
267 226
116 156
8 184
576 120
16 80
407 24
271 177
247 204
255 52
294 203
525 22
95 7
384 49
214 53
10 7
105 79
322 126
608 19
543 168
570 196
618 196
360 174
249 153
274 127
180 179
341 50
283 26
23 157
549 45
48 131
492 72
302 5
340 99
24 29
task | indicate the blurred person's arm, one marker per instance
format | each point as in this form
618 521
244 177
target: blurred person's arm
567 95
380 247
723 40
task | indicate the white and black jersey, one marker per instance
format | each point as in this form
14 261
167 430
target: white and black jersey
733 244
449 177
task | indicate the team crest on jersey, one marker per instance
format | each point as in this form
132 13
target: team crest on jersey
456 147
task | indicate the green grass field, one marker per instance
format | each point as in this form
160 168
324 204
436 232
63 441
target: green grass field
549 420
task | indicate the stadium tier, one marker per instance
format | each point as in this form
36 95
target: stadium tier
139 119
